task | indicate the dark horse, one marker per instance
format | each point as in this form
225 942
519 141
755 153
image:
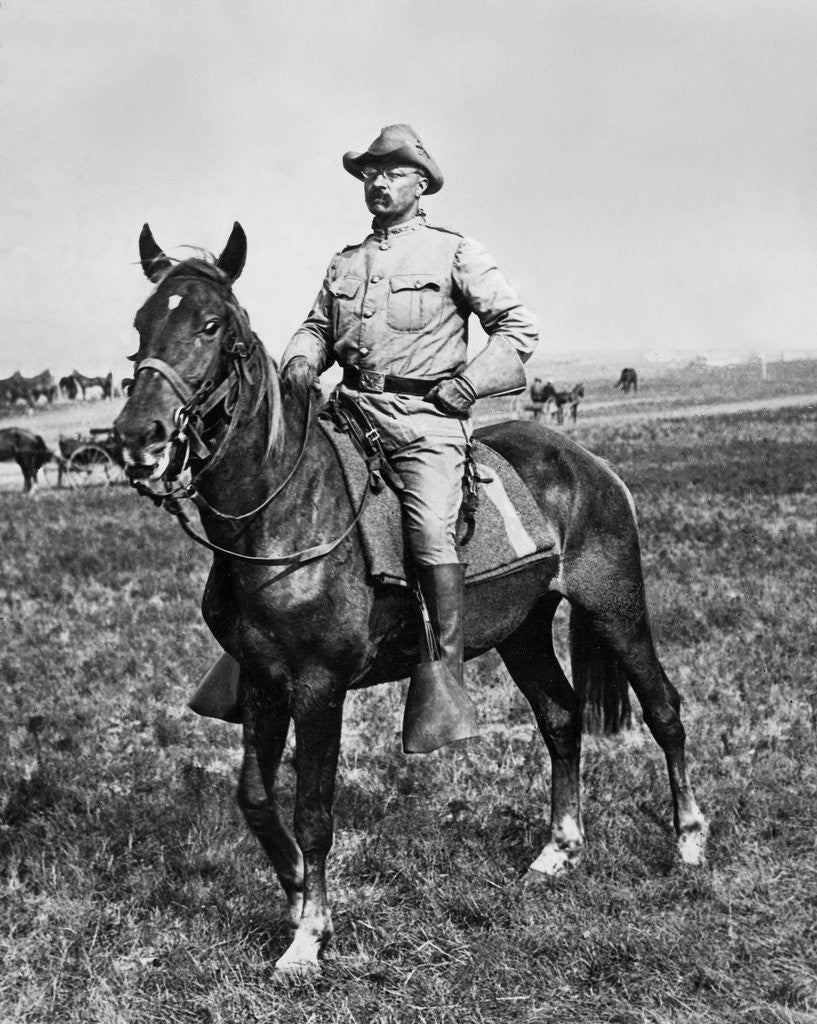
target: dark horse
28 450
68 387
627 380
268 487
569 399
104 383
43 385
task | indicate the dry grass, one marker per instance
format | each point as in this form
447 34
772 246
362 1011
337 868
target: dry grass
132 893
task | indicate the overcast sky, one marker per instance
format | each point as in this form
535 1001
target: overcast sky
643 170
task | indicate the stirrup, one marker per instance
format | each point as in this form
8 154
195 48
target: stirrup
438 710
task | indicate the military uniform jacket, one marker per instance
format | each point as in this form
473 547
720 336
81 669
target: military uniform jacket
399 303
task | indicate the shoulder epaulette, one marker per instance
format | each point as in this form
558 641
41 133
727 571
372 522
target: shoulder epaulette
343 252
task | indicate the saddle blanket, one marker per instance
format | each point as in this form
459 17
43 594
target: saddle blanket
510 532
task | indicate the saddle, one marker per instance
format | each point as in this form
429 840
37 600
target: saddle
495 536
502 534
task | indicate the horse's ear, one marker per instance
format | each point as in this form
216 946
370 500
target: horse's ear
231 261
154 261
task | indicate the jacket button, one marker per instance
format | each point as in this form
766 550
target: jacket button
375 278
384 246
364 351
368 312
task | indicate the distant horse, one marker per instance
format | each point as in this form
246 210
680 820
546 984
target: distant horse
289 596
42 385
84 383
13 389
541 397
571 400
28 389
8 390
28 450
627 380
68 387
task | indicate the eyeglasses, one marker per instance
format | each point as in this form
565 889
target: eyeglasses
389 173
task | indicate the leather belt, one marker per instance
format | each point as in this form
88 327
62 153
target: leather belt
372 381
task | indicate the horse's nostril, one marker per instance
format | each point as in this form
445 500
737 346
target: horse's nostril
155 432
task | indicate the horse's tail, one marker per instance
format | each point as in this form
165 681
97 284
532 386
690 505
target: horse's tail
598 678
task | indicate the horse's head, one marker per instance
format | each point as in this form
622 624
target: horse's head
191 330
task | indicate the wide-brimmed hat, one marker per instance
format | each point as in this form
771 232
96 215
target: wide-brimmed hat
397 143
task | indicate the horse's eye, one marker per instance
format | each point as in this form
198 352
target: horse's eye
211 328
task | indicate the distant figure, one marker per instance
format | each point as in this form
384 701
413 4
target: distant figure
570 399
68 387
627 380
541 396
28 450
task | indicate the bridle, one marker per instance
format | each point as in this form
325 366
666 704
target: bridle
188 442
197 403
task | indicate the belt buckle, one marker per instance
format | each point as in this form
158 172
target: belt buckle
370 380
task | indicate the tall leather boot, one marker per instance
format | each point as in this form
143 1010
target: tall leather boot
438 710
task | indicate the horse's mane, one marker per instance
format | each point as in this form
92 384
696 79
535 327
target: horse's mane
266 384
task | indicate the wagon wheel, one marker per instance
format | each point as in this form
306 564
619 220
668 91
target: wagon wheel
92 466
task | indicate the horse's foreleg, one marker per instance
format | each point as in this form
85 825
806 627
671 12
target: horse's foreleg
318 713
630 638
265 733
529 656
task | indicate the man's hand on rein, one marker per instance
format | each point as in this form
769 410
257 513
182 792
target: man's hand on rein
301 376
453 396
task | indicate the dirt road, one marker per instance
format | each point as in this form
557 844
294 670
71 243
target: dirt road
694 411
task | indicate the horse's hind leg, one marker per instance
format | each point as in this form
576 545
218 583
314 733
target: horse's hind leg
629 637
529 656
265 731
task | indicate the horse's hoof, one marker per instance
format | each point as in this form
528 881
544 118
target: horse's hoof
692 847
554 861
290 972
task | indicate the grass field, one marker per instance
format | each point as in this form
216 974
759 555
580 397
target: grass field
131 891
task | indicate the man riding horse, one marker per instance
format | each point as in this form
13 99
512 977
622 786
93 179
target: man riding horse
393 312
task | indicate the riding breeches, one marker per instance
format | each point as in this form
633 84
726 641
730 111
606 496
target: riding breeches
427 450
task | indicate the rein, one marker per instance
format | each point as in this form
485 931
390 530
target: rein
294 560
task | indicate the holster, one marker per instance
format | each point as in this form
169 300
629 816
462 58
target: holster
470 495
348 417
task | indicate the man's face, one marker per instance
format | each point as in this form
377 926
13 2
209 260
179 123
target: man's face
391 190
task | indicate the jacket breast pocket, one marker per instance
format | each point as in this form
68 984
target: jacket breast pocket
415 302
345 294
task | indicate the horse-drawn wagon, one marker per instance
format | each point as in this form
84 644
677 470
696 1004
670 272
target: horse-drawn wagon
92 460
